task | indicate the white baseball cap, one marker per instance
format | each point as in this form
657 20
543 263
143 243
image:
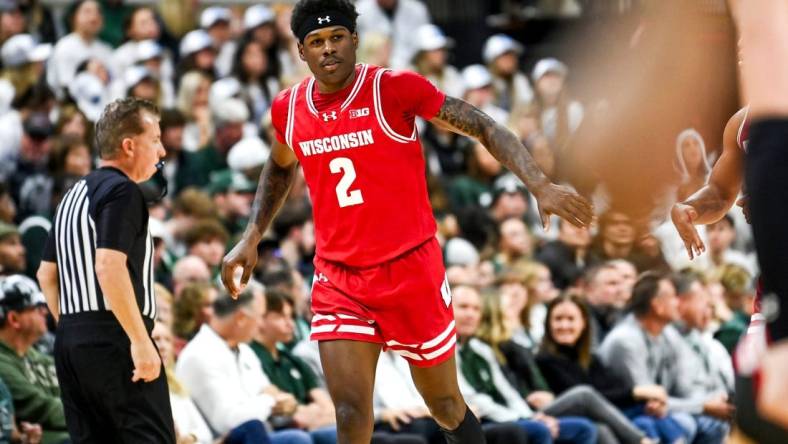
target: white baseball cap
429 37
498 45
475 77
257 15
195 41
223 89
544 66
146 50
136 74
248 152
210 16
22 48
230 110
461 252
89 93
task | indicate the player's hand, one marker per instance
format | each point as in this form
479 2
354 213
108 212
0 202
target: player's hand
550 422
684 217
564 202
744 204
771 398
395 417
244 254
146 359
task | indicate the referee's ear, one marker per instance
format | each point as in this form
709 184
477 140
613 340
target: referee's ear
127 147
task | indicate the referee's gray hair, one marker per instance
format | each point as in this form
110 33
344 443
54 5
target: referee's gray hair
119 120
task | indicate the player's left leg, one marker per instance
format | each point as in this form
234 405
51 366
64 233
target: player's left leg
440 390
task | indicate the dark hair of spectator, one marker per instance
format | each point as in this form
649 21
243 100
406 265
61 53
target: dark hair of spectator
275 300
645 290
582 348
121 119
244 77
288 218
129 19
593 272
225 305
277 278
307 8
206 230
63 146
171 118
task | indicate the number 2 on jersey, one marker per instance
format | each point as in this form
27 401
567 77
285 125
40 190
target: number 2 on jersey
346 198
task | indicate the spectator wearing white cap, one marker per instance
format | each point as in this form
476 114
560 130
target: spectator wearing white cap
141 83
397 18
248 157
81 44
559 114
217 21
512 89
197 52
259 25
229 118
192 102
431 60
23 62
257 77
478 91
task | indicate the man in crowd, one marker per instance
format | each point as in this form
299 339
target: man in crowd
568 255
232 195
641 348
189 270
207 240
12 252
28 373
223 374
603 293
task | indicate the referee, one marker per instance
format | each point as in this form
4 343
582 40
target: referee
97 276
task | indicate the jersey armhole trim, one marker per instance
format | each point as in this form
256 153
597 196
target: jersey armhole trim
741 129
291 116
380 116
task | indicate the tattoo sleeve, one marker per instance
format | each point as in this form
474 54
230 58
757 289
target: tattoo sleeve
465 118
271 193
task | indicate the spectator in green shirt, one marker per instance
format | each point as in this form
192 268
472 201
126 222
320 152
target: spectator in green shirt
28 373
288 372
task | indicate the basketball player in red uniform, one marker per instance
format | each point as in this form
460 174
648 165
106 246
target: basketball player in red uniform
764 80
379 277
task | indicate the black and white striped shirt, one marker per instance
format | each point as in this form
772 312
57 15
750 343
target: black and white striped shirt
105 209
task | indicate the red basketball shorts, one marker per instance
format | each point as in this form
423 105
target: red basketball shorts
404 304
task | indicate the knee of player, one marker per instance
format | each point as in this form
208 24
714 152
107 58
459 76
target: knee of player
352 413
447 410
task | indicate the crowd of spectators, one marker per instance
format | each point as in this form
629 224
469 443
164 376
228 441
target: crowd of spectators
568 335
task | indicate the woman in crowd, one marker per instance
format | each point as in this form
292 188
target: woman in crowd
566 360
520 367
258 77
192 102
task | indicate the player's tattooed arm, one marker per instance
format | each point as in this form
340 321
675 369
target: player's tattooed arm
461 117
271 193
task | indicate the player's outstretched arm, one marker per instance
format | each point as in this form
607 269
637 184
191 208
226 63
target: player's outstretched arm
715 199
275 181
462 117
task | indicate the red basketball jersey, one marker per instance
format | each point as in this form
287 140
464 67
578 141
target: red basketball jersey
363 162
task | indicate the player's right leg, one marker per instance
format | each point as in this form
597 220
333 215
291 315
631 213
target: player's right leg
349 367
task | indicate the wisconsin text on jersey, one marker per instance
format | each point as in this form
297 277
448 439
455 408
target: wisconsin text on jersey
335 143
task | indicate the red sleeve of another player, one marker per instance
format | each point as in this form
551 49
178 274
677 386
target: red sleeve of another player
415 94
279 114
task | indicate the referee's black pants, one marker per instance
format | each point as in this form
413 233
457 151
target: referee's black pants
102 405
